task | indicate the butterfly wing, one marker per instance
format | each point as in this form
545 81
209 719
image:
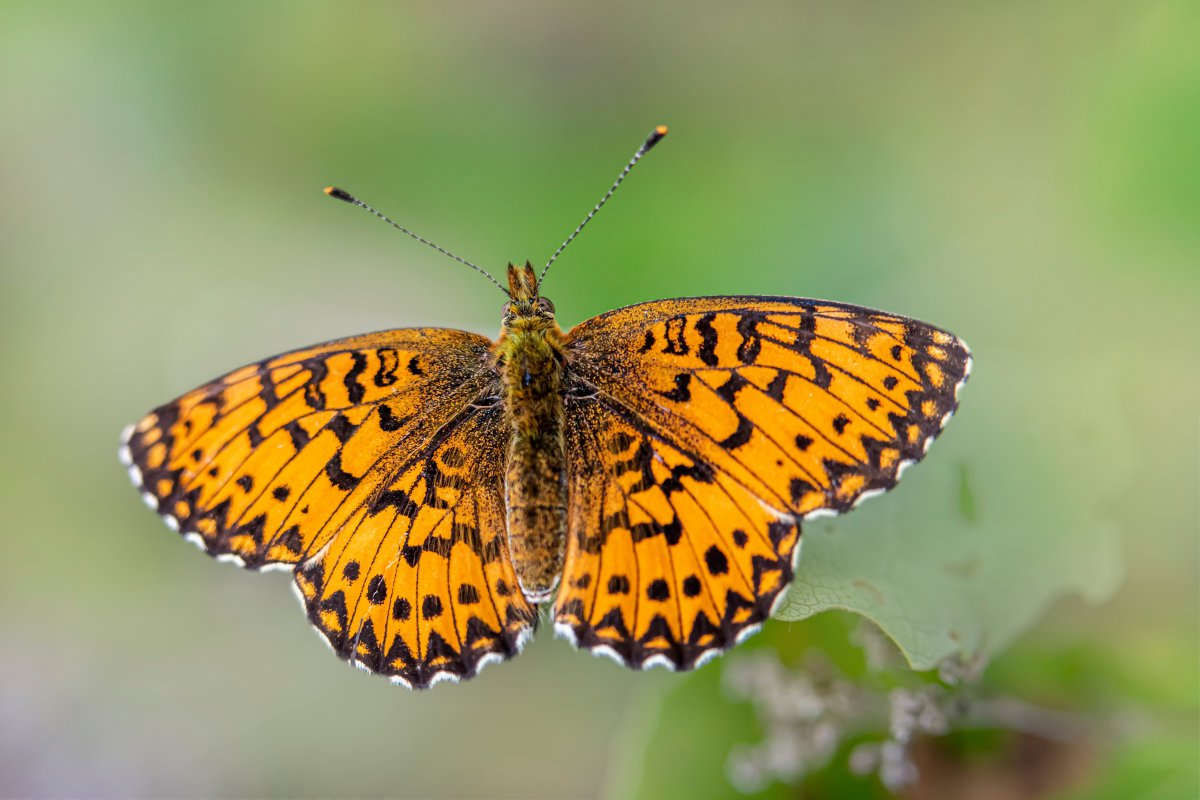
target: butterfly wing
373 466
669 560
419 585
719 424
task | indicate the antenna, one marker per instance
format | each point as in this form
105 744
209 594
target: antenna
342 194
654 138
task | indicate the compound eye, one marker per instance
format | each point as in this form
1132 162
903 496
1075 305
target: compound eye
544 304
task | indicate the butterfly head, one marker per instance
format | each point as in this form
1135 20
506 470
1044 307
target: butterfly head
526 303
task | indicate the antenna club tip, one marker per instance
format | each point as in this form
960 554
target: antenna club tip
655 137
340 194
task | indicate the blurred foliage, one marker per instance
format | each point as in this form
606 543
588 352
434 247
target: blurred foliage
1023 174
935 564
1077 723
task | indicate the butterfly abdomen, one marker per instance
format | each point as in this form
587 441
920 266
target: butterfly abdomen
530 359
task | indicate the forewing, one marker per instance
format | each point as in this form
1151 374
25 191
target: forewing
284 461
812 405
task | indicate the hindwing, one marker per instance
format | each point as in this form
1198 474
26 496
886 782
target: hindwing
670 560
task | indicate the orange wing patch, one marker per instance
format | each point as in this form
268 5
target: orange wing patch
284 462
813 406
669 560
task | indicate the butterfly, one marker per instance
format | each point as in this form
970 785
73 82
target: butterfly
644 474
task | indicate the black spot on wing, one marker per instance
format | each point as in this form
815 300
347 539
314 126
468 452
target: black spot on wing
619 443
708 340
777 386
658 590
798 487
291 540
388 421
822 377
682 391
751 344
354 389
401 609
675 334
715 561
388 361
431 607
341 427
648 343
339 477
300 437
254 434
313 396
376 590
739 437
728 391
398 499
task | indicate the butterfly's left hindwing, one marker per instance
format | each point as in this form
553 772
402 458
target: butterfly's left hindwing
669 560
371 467
812 404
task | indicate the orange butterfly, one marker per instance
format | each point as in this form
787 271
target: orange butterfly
646 472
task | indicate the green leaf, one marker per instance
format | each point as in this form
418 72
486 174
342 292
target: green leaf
1006 514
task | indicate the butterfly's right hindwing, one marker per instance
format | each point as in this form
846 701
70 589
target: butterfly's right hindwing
419 584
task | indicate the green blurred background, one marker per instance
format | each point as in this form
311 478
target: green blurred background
1024 174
